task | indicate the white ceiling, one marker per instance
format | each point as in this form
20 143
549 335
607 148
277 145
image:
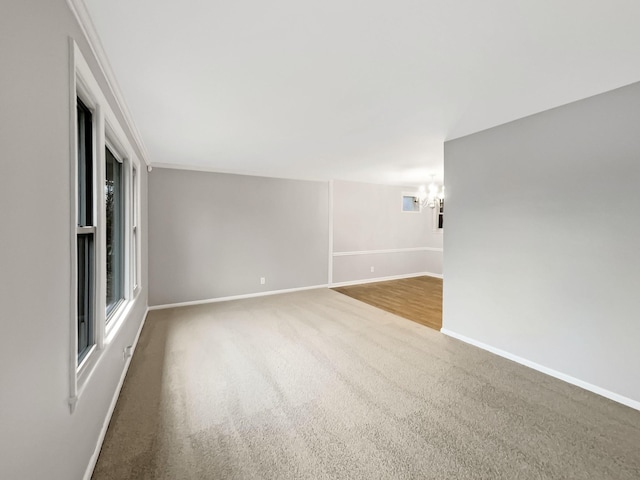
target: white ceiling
362 90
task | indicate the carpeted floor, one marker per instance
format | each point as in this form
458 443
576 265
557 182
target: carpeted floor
317 385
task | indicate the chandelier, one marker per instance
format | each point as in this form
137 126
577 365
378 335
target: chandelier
433 197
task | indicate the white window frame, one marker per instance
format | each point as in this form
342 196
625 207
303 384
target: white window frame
82 92
135 226
435 219
416 199
107 132
115 148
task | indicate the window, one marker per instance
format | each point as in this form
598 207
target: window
105 271
134 227
104 237
85 231
410 203
115 229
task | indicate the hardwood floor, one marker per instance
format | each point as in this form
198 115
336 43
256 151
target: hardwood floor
418 299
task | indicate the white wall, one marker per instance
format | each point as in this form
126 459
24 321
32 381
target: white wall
543 226
39 437
214 235
370 230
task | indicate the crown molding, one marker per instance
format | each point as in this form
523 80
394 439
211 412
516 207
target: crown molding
80 11
244 173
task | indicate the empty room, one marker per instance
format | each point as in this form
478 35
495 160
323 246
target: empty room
319 240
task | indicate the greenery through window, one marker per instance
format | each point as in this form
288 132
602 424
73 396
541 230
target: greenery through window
114 199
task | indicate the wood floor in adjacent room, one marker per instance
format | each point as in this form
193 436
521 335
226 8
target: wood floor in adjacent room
418 299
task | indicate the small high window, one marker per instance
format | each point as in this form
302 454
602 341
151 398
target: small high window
410 203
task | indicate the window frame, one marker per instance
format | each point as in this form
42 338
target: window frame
111 310
416 201
135 227
437 216
85 224
106 133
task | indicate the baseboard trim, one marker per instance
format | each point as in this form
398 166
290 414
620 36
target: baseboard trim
390 250
105 425
235 297
546 370
384 279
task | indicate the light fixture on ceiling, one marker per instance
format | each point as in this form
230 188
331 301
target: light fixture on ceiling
433 197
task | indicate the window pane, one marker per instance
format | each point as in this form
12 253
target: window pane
85 294
410 204
85 165
134 230
114 230
85 242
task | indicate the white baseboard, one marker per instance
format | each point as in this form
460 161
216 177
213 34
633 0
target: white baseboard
549 371
235 297
384 279
389 250
105 425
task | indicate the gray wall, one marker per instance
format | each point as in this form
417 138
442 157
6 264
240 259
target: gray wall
542 243
368 218
39 437
214 235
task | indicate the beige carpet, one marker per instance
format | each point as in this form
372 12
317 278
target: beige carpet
316 385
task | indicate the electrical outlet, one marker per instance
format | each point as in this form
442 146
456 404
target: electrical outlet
372 269
263 280
127 352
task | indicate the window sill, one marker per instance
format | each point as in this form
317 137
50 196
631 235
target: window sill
83 374
117 318
92 359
